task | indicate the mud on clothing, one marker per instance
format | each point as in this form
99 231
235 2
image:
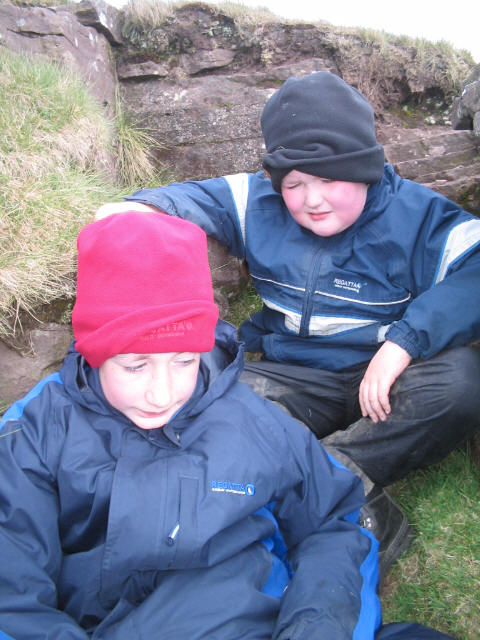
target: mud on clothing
435 407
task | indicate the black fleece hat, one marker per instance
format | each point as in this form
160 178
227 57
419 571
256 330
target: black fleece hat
318 124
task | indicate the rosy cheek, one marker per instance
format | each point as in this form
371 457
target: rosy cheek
293 202
339 191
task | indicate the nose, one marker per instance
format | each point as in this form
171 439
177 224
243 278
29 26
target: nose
159 389
314 195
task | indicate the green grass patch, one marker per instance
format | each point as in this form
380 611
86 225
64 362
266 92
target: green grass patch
438 581
55 151
60 159
134 152
246 303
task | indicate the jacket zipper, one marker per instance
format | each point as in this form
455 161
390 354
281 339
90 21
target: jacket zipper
309 293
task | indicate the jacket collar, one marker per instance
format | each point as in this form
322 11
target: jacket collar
219 370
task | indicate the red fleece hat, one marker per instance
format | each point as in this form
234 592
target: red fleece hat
143 286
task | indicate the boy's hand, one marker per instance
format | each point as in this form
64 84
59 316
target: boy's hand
110 208
384 368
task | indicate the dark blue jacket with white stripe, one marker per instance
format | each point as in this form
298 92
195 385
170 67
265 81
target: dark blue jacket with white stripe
189 531
406 271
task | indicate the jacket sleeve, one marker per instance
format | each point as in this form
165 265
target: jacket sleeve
446 269
30 548
332 593
217 205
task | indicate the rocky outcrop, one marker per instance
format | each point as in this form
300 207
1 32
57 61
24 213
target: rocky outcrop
58 35
103 17
20 372
200 80
466 107
445 160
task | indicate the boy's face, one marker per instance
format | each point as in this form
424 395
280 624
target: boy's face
325 207
149 389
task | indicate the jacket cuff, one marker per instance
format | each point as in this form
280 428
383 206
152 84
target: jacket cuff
405 337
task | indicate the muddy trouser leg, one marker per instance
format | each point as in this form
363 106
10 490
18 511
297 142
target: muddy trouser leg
435 408
321 400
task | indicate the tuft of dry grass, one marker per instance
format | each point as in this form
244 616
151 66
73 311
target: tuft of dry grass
134 146
151 13
55 149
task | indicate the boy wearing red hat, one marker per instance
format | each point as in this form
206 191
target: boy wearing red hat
146 493
367 281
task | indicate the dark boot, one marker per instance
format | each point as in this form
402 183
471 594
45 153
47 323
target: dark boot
381 516
389 524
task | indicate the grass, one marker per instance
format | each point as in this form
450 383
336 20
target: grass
246 303
54 151
151 13
134 146
437 581
60 159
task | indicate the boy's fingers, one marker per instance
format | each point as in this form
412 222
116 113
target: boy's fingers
111 208
374 402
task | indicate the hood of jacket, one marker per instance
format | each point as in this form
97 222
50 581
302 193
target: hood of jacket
219 370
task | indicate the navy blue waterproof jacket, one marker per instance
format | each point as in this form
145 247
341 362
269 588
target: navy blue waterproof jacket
406 271
229 523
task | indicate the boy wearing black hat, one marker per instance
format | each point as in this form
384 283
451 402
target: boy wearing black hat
367 282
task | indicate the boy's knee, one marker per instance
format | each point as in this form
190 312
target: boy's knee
459 378
464 373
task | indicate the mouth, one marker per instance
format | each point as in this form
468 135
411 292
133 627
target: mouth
152 414
318 215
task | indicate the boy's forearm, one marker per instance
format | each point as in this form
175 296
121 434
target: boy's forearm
335 562
332 593
443 316
207 203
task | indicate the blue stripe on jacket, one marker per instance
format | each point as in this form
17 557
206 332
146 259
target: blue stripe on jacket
370 602
16 410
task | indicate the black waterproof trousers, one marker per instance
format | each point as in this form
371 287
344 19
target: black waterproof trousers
435 407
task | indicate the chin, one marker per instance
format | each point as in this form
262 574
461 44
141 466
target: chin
148 427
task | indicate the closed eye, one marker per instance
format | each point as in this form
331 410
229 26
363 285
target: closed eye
135 368
185 363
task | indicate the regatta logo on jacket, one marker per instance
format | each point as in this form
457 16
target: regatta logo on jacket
234 487
350 285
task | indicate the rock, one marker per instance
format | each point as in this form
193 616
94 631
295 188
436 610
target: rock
447 161
18 373
58 35
209 125
227 272
206 60
101 16
466 107
141 70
